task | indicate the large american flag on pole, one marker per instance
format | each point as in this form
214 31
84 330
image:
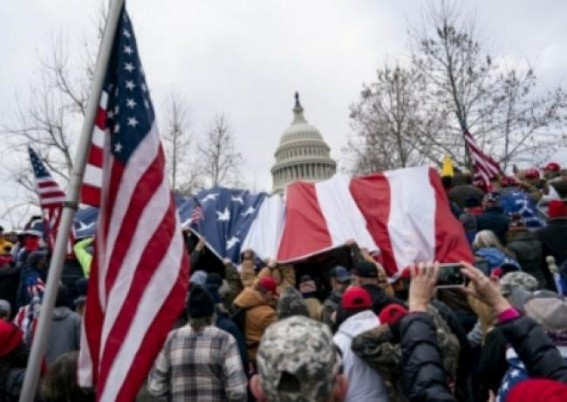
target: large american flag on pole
484 167
138 281
51 199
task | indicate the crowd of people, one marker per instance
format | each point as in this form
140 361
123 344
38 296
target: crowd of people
333 327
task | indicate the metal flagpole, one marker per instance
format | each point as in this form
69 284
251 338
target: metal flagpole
29 387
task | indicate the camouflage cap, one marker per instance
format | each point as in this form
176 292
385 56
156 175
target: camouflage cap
290 303
297 361
513 280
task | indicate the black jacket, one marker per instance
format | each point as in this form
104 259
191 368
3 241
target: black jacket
423 374
528 251
380 299
496 220
553 238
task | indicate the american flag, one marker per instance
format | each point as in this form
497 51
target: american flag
139 275
197 214
485 168
51 199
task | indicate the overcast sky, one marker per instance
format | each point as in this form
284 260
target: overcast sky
246 58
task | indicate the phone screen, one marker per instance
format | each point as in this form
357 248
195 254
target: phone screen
450 275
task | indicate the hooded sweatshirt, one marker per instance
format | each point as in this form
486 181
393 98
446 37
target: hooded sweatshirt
259 315
365 384
65 334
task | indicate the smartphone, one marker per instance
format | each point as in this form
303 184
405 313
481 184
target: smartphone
450 276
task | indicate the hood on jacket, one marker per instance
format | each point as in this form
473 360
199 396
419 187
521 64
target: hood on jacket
250 298
60 313
358 323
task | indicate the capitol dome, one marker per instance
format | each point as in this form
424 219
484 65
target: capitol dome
302 153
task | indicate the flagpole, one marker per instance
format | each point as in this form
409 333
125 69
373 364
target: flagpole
39 344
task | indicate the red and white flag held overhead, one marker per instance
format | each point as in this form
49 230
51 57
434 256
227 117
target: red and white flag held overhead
139 274
403 213
484 167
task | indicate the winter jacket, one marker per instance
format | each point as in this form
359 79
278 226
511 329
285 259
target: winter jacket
380 348
380 299
226 324
65 333
365 384
494 219
528 251
330 306
553 238
459 194
84 255
533 346
9 282
259 315
424 377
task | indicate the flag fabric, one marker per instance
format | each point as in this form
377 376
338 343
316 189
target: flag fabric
484 167
409 217
139 274
228 215
319 217
92 179
51 199
520 203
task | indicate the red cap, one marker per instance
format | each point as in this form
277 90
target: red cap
392 314
356 298
556 209
538 390
508 181
531 174
10 337
552 167
268 283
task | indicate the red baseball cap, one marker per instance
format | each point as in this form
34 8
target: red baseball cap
356 298
531 174
392 313
552 167
538 390
268 283
556 209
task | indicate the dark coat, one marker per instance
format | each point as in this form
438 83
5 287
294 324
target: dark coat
380 299
553 238
494 219
539 355
424 376
528 251
226 324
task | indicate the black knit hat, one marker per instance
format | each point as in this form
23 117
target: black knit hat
200 303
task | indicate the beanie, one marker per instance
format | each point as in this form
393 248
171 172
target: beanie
200 303
538 390
10 337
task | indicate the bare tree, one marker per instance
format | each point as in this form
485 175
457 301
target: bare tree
218 155
391 122
496 104
183 171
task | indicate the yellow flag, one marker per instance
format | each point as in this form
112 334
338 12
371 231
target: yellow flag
447 169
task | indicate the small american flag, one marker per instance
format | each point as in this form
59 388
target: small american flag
484 167
197 214
51 199
139 274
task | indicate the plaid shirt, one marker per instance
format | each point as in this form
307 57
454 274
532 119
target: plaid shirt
199 366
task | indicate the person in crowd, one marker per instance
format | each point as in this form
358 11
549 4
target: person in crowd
257 305
5 310
493 218
13 361
218 288
463 189
290 303
552 236
284 275
84 250
4 242
308 289
473 208
65 329
365 383
33 277
199 362
60 382
297 361
365 275
552 172
424 377
487 246
339 279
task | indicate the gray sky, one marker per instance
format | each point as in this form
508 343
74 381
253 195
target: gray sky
245 58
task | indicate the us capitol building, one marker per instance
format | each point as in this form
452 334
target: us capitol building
302 154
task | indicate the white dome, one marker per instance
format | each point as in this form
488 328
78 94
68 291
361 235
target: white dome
302 153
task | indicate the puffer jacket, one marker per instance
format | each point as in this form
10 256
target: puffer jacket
494 219
380 348
528 250
259 315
